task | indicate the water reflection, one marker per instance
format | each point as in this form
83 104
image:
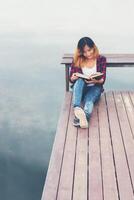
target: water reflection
31 96
120 78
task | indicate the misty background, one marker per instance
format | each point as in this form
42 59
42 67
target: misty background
33 37
108 22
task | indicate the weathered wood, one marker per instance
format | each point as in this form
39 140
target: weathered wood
129 109
110 190
53 174
126 135
67 171
95 188
95 163
80 176
67 77
120 162
111 58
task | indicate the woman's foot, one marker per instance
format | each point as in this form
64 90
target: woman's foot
81 116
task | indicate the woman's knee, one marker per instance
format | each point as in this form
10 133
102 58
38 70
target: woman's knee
79 85
80 81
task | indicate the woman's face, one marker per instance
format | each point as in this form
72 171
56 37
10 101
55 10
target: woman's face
88 52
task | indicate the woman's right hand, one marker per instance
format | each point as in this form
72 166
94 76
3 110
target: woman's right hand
74 77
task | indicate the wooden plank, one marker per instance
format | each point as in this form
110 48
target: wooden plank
131 94
80 176
67 173
129 110
110 191
120 60
66 60
53 173
67 77
126 135
121 167
95 178
109 60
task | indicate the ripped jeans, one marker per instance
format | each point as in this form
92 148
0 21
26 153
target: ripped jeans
86 94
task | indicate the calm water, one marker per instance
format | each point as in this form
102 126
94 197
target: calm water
32 90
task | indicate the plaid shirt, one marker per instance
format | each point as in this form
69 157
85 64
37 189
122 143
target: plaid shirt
101 67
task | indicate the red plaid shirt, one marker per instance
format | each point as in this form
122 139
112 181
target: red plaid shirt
101 67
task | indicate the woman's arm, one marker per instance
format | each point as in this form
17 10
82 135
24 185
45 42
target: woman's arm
102 66
72 77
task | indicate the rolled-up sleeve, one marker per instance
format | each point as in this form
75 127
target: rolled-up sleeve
103 64
74 69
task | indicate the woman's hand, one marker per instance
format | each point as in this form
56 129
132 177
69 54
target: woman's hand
94 81
74 77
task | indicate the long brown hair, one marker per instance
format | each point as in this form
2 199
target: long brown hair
78 57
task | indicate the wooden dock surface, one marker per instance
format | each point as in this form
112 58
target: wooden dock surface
95 163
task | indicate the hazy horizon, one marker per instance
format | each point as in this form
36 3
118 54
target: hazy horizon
107 22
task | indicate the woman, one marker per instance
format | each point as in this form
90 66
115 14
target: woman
87 60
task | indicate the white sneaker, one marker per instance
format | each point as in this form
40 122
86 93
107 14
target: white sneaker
80 114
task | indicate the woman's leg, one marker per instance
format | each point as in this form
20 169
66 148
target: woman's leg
80 116
93 94
78 92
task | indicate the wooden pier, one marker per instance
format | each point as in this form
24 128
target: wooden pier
95 163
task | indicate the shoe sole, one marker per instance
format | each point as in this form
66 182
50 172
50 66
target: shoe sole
76 125
80 114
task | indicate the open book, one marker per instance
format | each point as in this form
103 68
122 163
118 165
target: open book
97 76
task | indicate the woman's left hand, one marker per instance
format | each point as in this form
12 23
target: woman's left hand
94 81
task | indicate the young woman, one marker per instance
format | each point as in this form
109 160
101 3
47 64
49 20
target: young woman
86 93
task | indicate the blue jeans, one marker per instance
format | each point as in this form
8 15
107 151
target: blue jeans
88 94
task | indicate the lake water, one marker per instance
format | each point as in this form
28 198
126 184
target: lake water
32 87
